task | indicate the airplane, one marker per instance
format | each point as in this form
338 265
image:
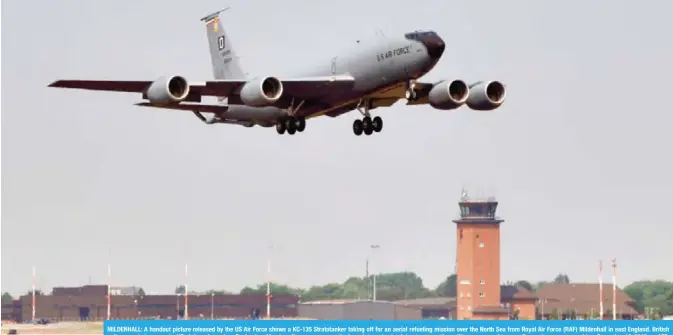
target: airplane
372 75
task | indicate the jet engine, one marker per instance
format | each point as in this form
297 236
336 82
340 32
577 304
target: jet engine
486 96
448 95
167 90
260 92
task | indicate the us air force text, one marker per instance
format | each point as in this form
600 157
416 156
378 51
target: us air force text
393 53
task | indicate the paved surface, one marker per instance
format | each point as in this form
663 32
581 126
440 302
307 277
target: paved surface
80 328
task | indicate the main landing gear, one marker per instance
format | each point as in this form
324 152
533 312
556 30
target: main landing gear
291 124
367 125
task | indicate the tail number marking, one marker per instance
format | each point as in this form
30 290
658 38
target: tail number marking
220 42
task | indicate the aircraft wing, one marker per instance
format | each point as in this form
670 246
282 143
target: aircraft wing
309 87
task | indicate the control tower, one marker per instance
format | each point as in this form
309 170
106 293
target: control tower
478 260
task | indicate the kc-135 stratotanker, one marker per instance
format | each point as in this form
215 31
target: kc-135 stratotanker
373 74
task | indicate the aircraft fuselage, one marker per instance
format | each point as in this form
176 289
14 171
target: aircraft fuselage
376 65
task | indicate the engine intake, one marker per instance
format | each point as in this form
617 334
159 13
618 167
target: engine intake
261 91
449 95
485 96
168 90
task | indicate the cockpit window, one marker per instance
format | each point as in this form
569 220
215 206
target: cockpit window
418 35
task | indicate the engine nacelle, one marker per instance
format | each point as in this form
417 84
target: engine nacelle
486 96
448 95
166 90
260 92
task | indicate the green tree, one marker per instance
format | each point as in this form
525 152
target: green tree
37 292
141 292
180 289
538 285
555 314
217 292
400 286
524 284
448 288
389 286
656 295
562 278
7 298
323 292
274 288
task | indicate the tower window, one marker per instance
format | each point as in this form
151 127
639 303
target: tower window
461 294
469 308
481 244
461 233
482 282
477 235
469 295
482 294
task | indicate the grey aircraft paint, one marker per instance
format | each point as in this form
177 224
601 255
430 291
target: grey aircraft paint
372 74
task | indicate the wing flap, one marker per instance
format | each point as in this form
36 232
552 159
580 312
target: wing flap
308 87
216 109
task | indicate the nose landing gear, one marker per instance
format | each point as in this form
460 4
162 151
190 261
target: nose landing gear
410 94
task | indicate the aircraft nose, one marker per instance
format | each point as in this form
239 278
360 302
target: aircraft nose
435 46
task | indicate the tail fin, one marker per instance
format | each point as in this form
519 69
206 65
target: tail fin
222 54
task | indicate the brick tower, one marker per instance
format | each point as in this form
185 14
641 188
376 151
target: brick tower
478 261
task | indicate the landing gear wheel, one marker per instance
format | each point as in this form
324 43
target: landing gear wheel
300 124
358 127
410 94
367 125
377 124
291 126
280 128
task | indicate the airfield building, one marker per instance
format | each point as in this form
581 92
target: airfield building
90 303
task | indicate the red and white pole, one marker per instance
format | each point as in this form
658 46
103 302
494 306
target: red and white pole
109 282
33 286
186 294
268 289
614 289
600 287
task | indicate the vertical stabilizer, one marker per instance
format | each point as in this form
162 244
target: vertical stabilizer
222 54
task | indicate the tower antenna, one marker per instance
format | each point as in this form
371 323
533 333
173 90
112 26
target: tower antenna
33 286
